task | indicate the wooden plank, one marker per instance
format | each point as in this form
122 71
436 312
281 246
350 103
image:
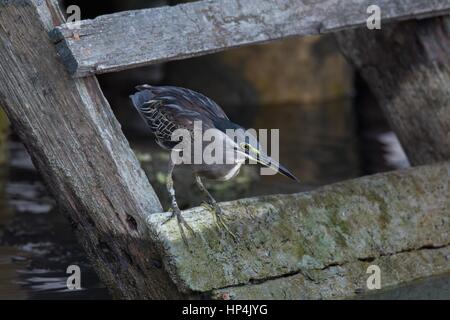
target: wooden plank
136 38
77 144
306 234
407 67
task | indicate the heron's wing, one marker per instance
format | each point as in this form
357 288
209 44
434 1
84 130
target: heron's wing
165 115
187 99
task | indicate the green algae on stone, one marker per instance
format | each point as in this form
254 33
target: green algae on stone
278 235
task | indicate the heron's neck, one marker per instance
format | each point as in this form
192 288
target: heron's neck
225 124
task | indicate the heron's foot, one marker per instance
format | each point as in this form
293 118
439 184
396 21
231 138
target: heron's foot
176 213
218 218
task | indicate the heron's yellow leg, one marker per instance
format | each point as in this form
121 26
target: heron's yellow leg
215 209
176 212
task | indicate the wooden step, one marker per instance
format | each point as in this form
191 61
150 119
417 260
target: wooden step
136 38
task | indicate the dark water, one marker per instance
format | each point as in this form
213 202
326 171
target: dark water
36 242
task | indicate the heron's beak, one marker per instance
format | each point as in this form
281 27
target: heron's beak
274 165
268 162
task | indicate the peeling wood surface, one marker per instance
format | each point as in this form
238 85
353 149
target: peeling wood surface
77 144
279 236
407 66
136 38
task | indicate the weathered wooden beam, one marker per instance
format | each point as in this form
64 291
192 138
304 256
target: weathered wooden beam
136 38
407 66
296 246
76 143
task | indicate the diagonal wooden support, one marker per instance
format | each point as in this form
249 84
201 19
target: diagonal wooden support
136 38
407 66
76 143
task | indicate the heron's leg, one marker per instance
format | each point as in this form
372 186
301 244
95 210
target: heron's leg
176 212
217 212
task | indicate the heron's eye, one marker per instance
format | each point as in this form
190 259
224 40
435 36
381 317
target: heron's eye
245 146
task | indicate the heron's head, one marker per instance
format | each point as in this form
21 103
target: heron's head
248 146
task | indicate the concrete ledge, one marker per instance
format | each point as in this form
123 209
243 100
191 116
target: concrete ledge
337 227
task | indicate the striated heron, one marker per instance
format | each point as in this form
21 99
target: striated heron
166 109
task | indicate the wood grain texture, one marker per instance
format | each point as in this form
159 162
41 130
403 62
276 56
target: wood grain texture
77 144
407 66
304 234
136 38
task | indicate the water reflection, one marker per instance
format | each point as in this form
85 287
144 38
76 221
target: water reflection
36 242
